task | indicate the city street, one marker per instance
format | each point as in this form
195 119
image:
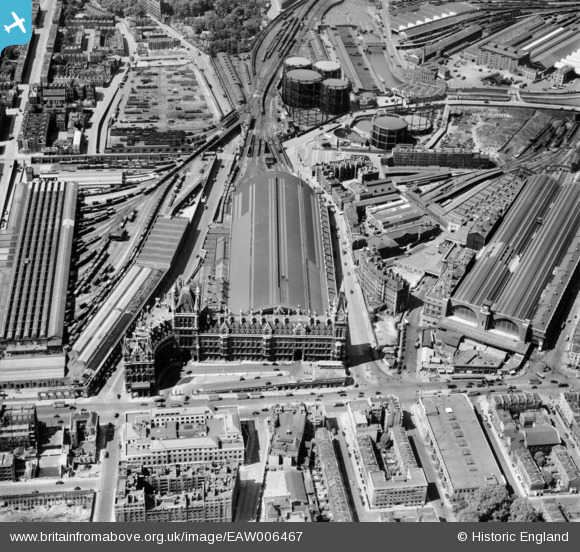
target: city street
106 490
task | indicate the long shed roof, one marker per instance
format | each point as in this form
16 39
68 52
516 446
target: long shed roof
278 256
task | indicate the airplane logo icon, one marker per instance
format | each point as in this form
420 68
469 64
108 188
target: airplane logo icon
18 22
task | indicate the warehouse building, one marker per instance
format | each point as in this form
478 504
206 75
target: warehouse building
464 458
455 158
34 287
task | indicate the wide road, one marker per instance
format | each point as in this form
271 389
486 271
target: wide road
105 499
48 485
404 387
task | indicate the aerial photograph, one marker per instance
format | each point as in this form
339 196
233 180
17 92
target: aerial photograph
290 261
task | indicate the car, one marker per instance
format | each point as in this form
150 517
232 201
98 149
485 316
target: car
553 381
242 378
107 454
78 489
117 414
289 394
339 404
268 383
257 377
83 409
563 385
351 482
143 404
280 375
312 393
534 386
56 416
59 482
451 386
378 393
255 413
265 409
72 407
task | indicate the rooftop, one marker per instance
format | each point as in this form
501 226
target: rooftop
468 459
518 266
281 252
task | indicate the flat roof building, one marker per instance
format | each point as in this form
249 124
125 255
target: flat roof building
465 460
196 435
407 486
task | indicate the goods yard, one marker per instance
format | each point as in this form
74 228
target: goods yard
165 98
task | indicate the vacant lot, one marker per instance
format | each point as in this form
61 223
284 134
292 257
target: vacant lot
484 130
61 512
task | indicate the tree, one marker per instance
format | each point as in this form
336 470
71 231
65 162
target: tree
495 504
548 477
540 458
522 510
487 504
